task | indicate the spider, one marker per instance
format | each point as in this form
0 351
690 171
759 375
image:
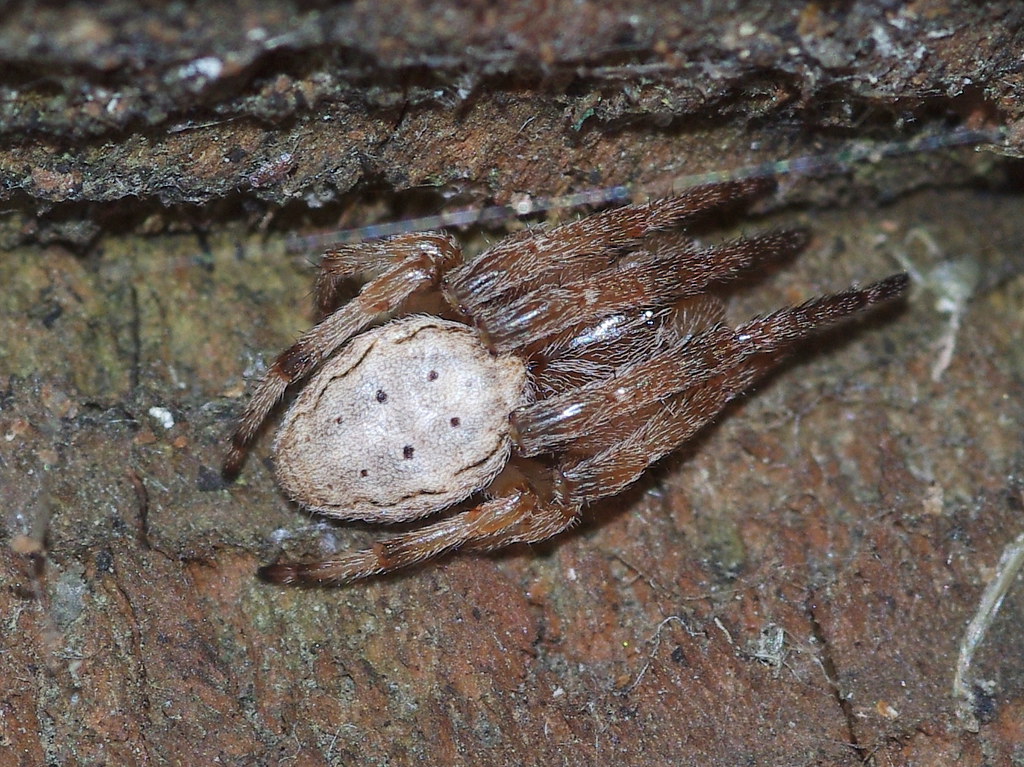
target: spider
521 386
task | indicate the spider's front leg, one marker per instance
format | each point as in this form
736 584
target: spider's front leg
519 517
534 257
405 263
615 435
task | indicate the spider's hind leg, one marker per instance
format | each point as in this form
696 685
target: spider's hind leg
365 261
514 518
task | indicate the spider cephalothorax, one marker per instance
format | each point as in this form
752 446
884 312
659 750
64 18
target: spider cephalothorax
559 365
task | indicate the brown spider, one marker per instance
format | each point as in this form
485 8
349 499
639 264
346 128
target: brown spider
550 372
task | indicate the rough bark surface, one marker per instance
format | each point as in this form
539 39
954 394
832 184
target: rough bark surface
791 589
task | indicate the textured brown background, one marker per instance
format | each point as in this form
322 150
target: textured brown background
153 168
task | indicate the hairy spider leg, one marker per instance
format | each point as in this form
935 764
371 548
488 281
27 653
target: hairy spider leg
614 467
619 340
557 421
760 344
479 523
553 423
579 248
537 523
644 278
413 262
367 260
519 515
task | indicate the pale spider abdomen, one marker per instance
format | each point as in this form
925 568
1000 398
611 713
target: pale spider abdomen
409 418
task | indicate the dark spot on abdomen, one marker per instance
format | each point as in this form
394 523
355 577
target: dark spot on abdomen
407 452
